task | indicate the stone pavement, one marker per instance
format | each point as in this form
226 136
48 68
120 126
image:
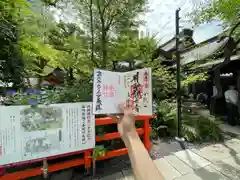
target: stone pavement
214 162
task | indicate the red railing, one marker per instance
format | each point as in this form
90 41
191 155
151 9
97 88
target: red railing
86 160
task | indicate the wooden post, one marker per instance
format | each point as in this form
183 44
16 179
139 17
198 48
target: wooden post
45 169
147 131
87 161
238 89
2 171
179 104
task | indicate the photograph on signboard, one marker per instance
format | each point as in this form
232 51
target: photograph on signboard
41 118
41 141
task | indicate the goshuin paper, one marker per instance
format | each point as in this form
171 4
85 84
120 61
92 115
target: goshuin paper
111 88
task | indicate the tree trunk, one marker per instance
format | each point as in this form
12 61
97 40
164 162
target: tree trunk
92 30
41 68
70 76
104 47
104 30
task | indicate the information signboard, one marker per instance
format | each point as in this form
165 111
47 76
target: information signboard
28 133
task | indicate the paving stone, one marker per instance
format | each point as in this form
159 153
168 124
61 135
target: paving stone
233 145
179 165
167 170
128 174
191 159
164 147
63 175
115 176
86 178
231 129
205 173
214 152
230 167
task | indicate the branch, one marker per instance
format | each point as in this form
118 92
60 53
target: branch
112 18
237 42
106 5
110 21
95 62
233 29
99 9
86 1
102 12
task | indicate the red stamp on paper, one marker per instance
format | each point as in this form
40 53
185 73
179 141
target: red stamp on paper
145 79
108 91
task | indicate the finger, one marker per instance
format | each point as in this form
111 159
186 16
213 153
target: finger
128 103
131 104
112 116
125 104
122 106
116 118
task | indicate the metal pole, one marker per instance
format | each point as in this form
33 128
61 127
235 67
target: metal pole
179 113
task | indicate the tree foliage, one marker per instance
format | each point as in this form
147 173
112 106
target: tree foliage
193 77
11 62
108 32
42 41
224 10
194 127
108 19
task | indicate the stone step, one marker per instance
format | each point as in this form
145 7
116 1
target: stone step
230 167
167 170
205 173
115 176
179 165
191 159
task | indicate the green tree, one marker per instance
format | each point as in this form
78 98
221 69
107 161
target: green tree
23 45
72 43
128 46
223 10
108 16
36 49
11 63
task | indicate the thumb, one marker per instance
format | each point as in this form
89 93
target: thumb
112 116
116 118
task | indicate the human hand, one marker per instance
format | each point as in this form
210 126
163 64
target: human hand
126 121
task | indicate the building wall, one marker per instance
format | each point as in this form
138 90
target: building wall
145 32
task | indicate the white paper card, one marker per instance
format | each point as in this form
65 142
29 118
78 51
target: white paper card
110 88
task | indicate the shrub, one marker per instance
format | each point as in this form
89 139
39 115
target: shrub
166 116
67 94
194 127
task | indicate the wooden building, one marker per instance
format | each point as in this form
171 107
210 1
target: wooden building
51 77
209 56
